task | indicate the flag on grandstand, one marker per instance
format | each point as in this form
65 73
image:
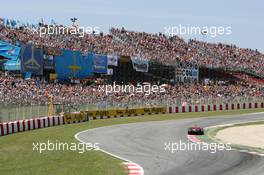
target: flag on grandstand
18 23
1 21
99 63
10 23
13 23
32 60
53 22
112 60
7 22
140 64
9 51
73 65
42 20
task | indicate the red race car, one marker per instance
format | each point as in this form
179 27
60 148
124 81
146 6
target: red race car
195 130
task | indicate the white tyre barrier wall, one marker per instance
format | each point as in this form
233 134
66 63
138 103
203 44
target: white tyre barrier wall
214 107
30 124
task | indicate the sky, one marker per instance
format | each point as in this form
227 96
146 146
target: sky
244 17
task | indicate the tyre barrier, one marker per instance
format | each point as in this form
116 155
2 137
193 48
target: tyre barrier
118 113
7 128
214 107
75 117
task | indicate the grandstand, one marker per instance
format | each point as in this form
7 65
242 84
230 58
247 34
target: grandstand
33 68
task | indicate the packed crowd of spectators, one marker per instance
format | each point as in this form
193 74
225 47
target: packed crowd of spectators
156 47
169 50
15 90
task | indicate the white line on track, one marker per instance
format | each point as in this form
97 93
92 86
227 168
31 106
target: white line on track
138 169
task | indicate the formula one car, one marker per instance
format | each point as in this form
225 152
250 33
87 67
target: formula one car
195 130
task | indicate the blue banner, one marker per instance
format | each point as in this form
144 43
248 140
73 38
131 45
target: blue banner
73 65
32 60
9 51
28 75
99 63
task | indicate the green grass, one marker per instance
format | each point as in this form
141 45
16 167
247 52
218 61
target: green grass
17 157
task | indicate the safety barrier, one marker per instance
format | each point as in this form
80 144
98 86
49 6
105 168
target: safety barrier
214 107
75 117
30 124
36 123
104 114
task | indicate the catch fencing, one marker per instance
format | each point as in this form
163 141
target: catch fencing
21 112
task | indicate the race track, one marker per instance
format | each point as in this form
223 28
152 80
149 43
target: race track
143 143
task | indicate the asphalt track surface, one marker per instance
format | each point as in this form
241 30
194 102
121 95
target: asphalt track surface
144 144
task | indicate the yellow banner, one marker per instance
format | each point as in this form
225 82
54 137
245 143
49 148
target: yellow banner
74 117
126 112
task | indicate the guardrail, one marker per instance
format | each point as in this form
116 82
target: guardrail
214 107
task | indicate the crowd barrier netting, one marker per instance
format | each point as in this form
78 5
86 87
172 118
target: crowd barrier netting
94 113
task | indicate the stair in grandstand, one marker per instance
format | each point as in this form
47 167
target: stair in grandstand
249 78
258 77
121 40
253 74
118 40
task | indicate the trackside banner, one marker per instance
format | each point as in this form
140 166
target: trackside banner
112 60
75 117
126 112
73 65
140 64
99 63
186 72
32 60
